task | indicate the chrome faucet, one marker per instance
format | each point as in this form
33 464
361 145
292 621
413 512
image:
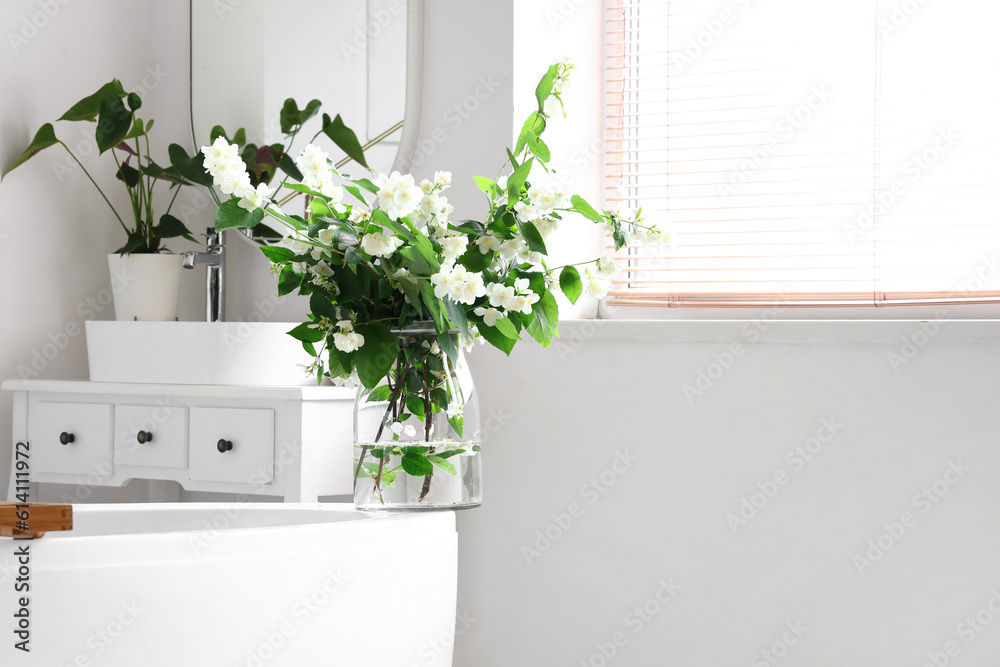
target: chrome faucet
215 281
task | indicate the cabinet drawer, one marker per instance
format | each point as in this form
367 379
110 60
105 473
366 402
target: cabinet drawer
87 425
151 435
251 432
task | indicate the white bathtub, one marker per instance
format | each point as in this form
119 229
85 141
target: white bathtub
229 585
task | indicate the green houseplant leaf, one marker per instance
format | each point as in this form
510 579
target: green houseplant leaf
346 140
45 137
90 106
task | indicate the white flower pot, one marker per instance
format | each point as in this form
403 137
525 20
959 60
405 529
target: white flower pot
145 287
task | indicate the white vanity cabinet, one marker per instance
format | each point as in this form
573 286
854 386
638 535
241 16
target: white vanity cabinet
289 442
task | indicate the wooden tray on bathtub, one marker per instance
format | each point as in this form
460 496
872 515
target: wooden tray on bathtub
31 520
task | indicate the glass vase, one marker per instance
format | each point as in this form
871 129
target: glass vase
416 434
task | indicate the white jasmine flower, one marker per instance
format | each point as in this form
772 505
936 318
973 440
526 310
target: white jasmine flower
489 315
321 269
378 244
312 161
458 284
345 325
521 285
594 287
299 267
253 199
526 212
442 179
348 342
219 153
409 431
452 247
360 215
498 293
607 267
397 194
454 410
546 226
488 243
325 236
511 248
426 186
295 241
520 303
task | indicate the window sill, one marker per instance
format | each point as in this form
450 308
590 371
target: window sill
766 329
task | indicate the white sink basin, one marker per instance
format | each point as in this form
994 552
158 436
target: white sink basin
220 353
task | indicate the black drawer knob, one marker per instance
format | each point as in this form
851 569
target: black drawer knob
225 446
144 436
66 438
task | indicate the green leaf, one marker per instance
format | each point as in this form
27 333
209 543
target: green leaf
535 124
171 227
506 327
231 215
90 106
457 423
456 314
532 236
367 185
320 306
380 394
128 174
277 254
517 180
306 333
289 116
415 404
497 339
585 209
570 283
191 168
136 241
545 84
447 466
138 130
487 186
134 101
448 454
539 148
348 142
311 108
449 345
45 137
288 280
287 165
113 123
375 358
416 465
547 311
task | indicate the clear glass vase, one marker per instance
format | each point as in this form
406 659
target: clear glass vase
416 435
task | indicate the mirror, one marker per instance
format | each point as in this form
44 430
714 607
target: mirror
249 56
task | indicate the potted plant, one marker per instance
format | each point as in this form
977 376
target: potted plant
146 275
397 290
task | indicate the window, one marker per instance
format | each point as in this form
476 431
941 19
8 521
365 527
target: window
806 152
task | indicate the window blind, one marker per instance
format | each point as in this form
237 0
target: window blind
804 152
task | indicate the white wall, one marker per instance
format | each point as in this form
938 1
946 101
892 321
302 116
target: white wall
55 231
562 417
